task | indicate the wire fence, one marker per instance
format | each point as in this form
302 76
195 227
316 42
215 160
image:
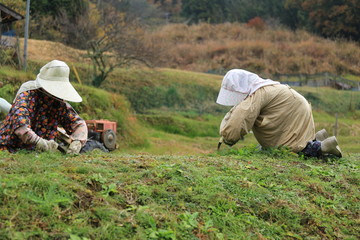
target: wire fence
318 80
324 79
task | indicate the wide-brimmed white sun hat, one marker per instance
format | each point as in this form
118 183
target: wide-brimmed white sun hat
237 84
54 79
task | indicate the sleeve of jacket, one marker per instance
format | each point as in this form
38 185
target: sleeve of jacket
74 125
240 119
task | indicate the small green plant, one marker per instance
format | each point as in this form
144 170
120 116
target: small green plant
109 190
99 183
189 220
278 152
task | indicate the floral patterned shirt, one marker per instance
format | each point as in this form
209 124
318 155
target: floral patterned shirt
39 112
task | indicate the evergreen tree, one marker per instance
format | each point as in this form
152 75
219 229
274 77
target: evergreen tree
212 11
55 8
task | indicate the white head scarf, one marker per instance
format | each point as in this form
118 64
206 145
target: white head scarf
27 86
238 84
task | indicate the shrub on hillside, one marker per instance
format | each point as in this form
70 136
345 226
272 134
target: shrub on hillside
256 23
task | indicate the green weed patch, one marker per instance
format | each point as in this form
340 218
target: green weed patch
231 195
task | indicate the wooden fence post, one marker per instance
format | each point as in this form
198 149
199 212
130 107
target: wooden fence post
336 124
76 74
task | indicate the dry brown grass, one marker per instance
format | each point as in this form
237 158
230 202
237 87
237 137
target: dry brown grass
205 47
42 50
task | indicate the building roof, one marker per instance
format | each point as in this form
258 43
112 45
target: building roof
8 15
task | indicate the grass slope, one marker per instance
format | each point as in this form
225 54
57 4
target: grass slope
233 194
189 191
178 107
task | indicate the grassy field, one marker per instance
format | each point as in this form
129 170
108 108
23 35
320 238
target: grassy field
167 180
231 194
178 107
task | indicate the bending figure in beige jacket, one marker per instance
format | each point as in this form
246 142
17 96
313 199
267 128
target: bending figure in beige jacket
276 113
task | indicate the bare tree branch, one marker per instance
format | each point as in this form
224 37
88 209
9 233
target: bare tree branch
121 44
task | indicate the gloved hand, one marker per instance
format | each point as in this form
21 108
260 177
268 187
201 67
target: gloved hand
45 145
221 140
229 143
74 148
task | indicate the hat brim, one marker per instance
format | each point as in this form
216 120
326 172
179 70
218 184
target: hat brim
60 89
230 98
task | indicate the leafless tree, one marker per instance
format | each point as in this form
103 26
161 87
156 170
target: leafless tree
77 33
119 44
